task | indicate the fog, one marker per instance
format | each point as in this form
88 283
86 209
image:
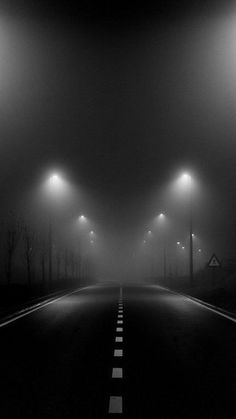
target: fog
118 108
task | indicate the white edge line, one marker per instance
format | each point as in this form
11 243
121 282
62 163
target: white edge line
212 309
202 304
19 316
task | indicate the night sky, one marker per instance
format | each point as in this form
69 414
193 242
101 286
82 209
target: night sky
122 98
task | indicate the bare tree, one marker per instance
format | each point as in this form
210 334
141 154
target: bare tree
29 239
13 233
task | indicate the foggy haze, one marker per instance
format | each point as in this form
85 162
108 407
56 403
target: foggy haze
121 108
118 209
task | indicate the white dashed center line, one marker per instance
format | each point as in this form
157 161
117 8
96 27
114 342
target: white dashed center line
118 352
116 402
117 373
115 405
119 329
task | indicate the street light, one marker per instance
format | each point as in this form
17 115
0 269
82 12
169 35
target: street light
150 239
54 179
83 224
161 219
178 243
56 192
186 181
55 183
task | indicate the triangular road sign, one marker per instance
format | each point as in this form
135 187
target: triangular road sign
214 262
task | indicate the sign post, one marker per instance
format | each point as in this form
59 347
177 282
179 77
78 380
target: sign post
213 264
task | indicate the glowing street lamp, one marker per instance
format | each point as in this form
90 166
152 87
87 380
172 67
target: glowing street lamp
54 179
57 187
92 237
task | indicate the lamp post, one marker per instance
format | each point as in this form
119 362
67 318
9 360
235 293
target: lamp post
190 233
187 179
178 245
83 224
150 237
162 218
55 187
53 182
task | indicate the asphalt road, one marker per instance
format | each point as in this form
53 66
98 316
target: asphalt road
173 358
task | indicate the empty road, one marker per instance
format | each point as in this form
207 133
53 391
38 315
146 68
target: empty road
136 351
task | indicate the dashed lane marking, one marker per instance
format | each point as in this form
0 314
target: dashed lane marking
115 404
117 373
118 352
119 329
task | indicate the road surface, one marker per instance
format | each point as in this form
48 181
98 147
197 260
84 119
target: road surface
168 357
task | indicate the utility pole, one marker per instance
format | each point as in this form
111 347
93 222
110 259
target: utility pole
191 238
